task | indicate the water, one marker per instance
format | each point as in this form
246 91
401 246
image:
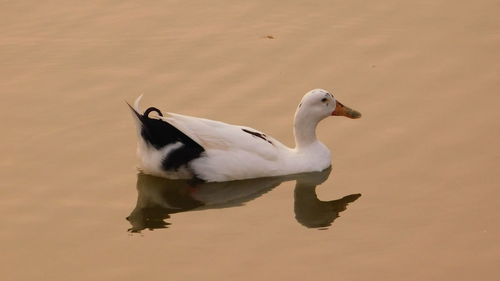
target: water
424 155
158 198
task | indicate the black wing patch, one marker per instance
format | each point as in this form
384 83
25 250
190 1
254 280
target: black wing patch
259 135
160 133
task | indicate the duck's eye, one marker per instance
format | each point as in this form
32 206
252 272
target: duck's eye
324 100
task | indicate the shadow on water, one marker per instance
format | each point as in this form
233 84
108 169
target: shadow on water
158 198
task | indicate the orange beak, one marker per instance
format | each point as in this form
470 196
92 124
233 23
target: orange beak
342 110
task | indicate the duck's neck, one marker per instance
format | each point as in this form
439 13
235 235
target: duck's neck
304 130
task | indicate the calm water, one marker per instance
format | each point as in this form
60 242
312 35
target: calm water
158 198
424 156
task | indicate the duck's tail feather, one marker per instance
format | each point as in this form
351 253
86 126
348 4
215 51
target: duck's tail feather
137 103
160 133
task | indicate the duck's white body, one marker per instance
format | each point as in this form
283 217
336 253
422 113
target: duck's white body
226 152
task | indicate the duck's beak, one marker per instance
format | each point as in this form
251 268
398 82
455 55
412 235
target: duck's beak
342 110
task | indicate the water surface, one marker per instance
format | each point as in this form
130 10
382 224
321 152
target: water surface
424 156
158 198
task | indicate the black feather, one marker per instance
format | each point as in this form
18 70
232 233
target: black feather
259 135
160 133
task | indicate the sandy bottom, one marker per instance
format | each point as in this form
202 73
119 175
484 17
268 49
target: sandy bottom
425 155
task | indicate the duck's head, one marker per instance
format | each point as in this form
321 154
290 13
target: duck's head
318 104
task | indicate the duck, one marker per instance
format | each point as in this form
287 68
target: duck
177 146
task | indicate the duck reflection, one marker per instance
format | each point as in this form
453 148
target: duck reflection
158 198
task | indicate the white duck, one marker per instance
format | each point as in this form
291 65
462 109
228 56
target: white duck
182 147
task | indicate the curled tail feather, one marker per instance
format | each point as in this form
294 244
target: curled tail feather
159 133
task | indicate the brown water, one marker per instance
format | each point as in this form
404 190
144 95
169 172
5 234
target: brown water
425 75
